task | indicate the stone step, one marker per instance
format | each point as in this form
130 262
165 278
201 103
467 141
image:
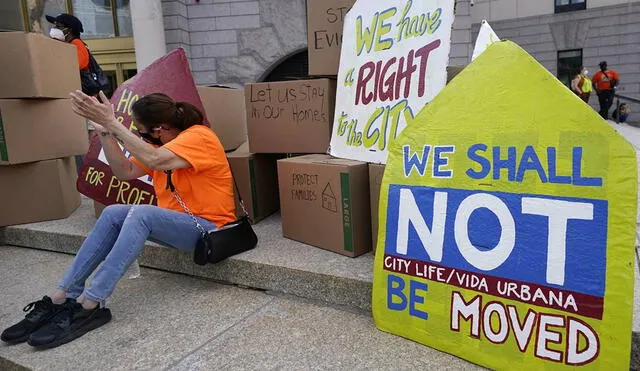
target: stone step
276 264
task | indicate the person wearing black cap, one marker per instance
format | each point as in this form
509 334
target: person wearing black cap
68 29
605 82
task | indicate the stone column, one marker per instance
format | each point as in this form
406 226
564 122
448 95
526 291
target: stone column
148 31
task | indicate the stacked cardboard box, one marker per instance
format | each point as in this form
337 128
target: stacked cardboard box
325 203
226 112
292 120
290 116
39 133
296 117
325 21
257 181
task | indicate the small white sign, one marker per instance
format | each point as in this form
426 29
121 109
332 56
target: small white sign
102 157
486 37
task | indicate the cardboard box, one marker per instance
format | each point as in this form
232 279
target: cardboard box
291 116
36 66
225 109
324 202
376 171
325 21
257 179
40 129
38 191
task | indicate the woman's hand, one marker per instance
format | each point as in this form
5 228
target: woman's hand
99 112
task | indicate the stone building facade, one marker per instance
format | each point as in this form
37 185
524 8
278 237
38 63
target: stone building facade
608 32
233 42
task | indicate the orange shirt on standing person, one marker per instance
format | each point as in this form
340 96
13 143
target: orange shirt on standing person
83 53
602 80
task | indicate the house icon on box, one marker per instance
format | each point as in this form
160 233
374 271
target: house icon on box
329 201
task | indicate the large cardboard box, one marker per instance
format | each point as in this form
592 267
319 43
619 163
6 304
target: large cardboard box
225 109
290 116
376 171
257 179
325 203
35 66
325 21
38 191
40 129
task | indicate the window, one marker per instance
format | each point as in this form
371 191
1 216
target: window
569 63
100 18
570 5
123 18
97 19
11 16
37 11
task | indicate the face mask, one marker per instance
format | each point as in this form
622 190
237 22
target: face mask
585 72
56 33
149 139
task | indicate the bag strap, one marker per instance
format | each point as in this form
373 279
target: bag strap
175 195
91 58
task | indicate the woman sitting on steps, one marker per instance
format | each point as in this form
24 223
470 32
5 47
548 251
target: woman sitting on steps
201 175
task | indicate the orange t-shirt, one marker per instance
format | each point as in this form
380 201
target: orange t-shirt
602 82
83 53
207 186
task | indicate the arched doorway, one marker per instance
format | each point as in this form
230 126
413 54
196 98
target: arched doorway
292 67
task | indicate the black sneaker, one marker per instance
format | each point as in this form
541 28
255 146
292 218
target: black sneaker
40 313
71 323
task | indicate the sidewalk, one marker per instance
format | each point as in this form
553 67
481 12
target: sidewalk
174 322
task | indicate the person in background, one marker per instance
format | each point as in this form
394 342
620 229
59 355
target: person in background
621 114
68 29
575 82
581 85
605 82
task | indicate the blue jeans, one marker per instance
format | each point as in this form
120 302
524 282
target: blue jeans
118 239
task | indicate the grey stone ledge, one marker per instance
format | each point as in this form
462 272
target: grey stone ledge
276 264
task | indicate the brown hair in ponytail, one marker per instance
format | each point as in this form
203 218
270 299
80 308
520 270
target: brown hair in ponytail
156 109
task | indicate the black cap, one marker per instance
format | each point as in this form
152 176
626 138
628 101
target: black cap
69 21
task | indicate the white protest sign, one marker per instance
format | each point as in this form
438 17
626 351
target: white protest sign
486 37
103 158
393 62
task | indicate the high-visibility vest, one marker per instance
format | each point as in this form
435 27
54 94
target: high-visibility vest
587 86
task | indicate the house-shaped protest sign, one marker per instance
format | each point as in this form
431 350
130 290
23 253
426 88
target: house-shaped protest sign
507 224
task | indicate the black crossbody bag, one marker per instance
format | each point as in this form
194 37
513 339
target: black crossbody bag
228 240
93 78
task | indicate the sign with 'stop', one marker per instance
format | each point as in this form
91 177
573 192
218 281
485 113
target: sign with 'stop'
393 62
507 227
169 75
